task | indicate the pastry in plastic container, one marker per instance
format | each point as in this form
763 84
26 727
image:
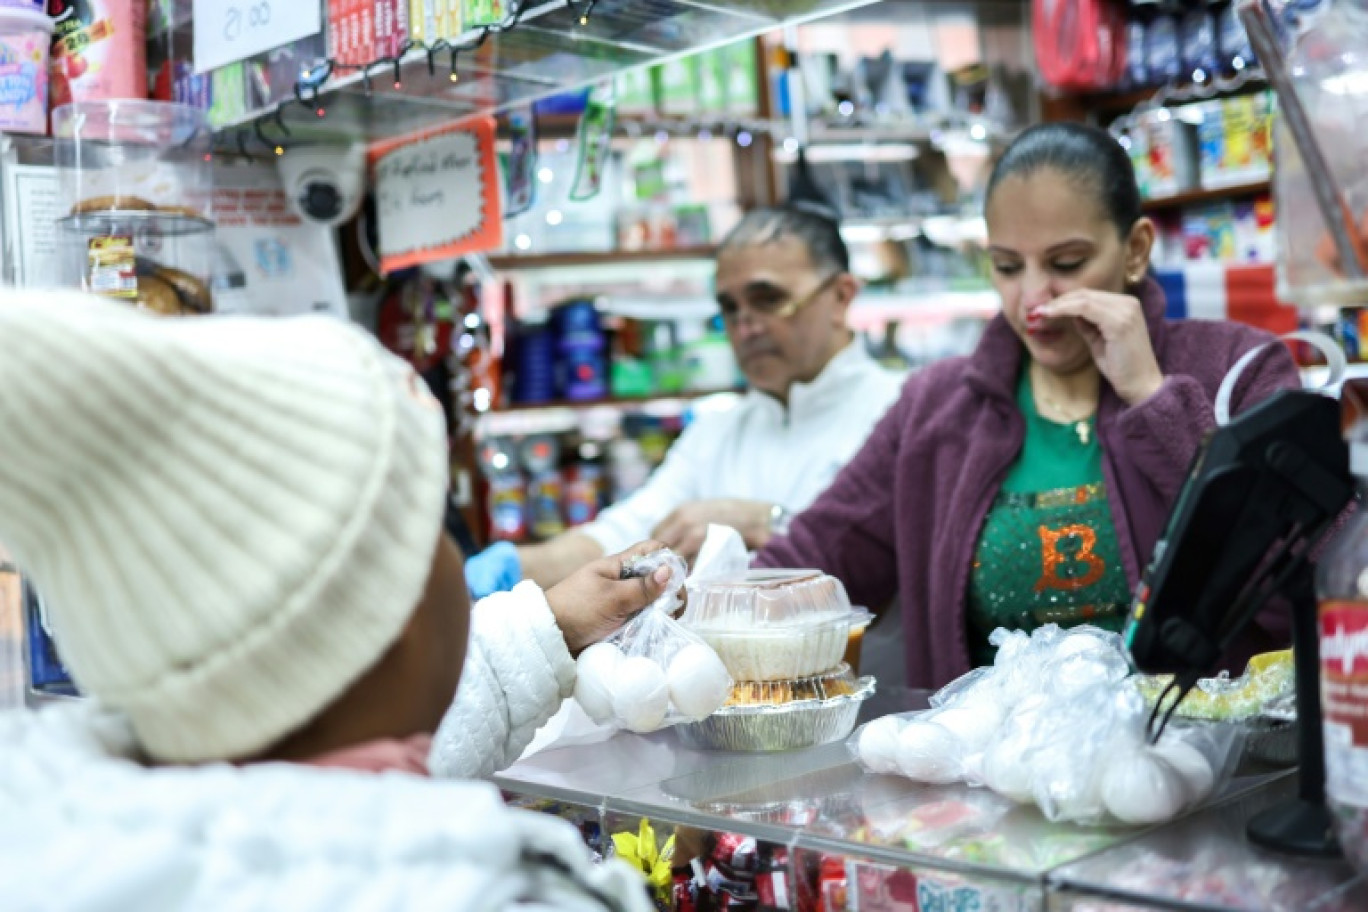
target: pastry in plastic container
757 719
773 625
840 682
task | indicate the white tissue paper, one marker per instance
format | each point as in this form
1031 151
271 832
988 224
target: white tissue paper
723 556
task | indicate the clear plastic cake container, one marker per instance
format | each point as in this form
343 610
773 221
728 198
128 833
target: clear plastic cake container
768 599
780 654
778 727
773 624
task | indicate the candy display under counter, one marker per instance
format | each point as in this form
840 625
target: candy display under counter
843 839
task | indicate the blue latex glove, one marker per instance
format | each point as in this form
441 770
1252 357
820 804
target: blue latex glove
495 569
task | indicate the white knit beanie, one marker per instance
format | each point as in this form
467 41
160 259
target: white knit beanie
230 519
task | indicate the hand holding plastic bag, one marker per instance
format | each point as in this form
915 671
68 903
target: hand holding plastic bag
653 672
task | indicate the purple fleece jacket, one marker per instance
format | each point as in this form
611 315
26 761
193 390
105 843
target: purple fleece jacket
903 517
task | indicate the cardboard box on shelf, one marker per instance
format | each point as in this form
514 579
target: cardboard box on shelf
677 86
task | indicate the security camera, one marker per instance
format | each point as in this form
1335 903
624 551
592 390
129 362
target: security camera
324 184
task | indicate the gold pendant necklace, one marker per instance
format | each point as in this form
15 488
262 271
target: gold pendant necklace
1082 427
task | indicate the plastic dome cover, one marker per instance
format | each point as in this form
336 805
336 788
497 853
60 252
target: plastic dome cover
1327 60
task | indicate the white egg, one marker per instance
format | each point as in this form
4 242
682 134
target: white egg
878 744
641 696
699 682
1191 764
594 673
975 726
1064 783
1006 771
1142 788
929 753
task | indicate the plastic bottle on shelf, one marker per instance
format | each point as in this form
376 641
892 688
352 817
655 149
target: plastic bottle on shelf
581 352
507 508
544 493
1342 586
1233 50
583 493
1163 56
1139 17
1197 44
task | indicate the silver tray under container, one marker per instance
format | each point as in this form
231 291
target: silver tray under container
787 726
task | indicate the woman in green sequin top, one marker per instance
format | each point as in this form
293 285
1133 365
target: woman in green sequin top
1028 482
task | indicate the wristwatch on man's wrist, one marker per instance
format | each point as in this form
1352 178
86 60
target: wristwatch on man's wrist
779 520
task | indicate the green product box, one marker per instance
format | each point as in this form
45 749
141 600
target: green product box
228 94
475 13
635 91
631 377
742 80
712 82
677 86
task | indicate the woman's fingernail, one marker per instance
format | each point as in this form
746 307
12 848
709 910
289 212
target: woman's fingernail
661 576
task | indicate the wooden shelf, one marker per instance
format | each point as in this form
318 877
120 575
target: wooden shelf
607 258
1194 197
1106 106
618 401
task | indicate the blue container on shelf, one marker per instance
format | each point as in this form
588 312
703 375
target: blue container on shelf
564 103
581 351
536 365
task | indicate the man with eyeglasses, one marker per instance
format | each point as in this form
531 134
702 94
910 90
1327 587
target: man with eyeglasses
783 287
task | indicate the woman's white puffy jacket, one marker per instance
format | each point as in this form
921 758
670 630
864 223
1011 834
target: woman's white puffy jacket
517 674
84 826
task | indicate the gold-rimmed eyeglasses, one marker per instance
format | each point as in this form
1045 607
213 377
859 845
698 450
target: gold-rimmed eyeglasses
772 301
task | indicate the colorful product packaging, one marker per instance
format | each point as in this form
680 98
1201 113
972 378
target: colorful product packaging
99 50
228 94
1212 144
677 86
742 77
635 91
475 13
712 82
25 39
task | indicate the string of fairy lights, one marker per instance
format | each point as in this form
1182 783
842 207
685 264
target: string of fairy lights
309 87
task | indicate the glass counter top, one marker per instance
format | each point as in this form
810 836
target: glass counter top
819 799
1206 862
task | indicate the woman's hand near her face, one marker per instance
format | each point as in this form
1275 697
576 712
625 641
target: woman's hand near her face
595 601
1114 327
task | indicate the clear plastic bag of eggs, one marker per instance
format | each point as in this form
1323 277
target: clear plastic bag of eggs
1055 722
653 672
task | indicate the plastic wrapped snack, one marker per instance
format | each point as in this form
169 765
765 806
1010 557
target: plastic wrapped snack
773 625
1265 684
652 672
1055 722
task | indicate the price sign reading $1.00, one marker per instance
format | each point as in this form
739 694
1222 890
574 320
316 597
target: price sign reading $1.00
230 30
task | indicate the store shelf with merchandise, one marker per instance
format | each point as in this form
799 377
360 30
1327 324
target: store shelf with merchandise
1208 195
542 49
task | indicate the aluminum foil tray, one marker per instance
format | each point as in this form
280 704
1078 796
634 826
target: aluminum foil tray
786 726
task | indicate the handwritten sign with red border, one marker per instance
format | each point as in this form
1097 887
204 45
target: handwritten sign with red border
437 195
